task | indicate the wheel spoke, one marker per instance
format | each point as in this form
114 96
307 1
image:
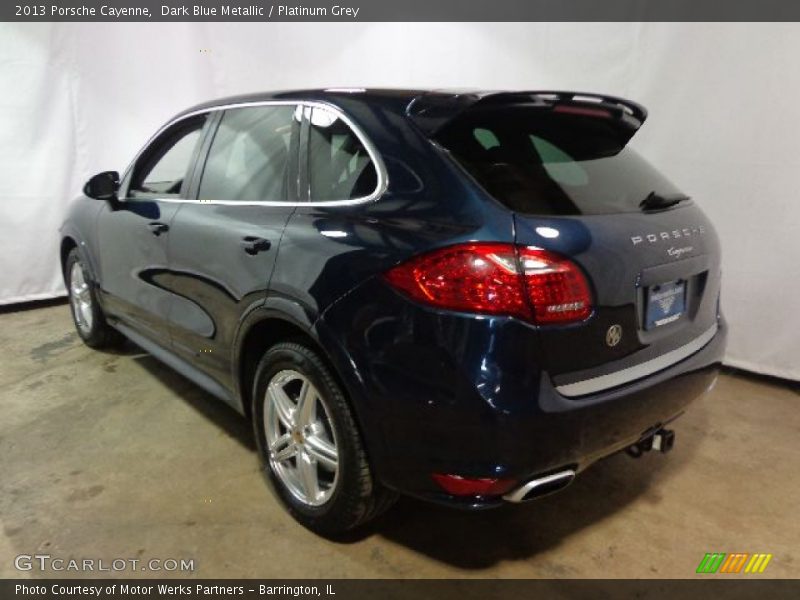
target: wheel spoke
307 469
323 451
283 404
283 448
306 404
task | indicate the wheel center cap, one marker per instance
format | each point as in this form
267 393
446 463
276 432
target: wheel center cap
297 436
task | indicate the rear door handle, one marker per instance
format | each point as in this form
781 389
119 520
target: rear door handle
254 245
157 228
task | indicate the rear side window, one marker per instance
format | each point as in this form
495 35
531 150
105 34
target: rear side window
539 162
249 156
339 166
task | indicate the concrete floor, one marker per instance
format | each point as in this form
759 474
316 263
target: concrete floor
116 456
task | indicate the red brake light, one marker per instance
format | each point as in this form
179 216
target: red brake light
480 278
529 283
557 289
582 111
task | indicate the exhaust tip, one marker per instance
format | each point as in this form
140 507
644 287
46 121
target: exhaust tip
541 486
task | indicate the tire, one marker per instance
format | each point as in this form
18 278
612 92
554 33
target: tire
90 323
320 439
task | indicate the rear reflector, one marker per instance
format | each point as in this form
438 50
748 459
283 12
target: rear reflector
501 279
465 486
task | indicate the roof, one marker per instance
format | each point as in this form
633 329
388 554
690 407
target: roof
431 109
332 95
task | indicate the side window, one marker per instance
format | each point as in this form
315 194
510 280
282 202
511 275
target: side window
249 156
162 169
339 166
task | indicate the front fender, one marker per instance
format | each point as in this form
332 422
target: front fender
80 226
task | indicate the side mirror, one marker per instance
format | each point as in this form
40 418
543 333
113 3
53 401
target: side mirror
103 186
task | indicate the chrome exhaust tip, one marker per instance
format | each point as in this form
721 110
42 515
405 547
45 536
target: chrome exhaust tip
541 486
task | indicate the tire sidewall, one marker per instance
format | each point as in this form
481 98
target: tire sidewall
298 358
94 334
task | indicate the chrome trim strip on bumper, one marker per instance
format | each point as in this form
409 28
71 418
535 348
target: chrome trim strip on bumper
604 382
518 495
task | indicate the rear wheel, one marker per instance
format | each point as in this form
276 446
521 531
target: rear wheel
86 313
309 444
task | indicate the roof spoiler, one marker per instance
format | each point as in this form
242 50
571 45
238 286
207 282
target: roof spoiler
432 111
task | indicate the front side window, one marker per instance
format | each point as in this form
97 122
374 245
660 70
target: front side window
339 166
249 156
162 169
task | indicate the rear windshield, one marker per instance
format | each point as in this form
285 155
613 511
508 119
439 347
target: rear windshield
540 162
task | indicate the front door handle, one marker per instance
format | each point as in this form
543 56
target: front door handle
157 228
254 245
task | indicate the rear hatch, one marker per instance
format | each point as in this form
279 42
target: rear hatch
561 163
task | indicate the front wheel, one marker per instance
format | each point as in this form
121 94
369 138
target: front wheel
86 313
309 444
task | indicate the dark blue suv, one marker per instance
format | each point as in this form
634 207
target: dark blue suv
468 297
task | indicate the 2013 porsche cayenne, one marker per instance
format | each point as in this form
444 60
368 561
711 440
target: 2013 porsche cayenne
468 297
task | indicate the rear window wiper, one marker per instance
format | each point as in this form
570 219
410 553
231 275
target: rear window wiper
656 201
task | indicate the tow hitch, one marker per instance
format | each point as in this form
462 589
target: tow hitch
662 440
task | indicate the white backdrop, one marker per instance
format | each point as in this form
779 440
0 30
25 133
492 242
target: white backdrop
724 121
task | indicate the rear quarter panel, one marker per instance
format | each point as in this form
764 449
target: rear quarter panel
332 258
326 251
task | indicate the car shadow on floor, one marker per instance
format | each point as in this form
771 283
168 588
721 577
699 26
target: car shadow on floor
479 540
224 416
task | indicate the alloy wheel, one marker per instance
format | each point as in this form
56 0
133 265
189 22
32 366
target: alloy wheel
80 297
301 441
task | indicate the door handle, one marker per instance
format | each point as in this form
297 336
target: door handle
157 228
254 245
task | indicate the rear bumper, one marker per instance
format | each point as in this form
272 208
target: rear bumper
444 393
565 434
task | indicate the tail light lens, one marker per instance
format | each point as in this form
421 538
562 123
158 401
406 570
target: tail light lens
584 111
480 278
499 279
556 287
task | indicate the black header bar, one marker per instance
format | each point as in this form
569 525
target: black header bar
355 589
402 10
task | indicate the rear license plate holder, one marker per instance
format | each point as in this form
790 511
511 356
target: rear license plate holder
666 303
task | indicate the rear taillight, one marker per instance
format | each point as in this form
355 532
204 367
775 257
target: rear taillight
481 278
500 279
556 287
